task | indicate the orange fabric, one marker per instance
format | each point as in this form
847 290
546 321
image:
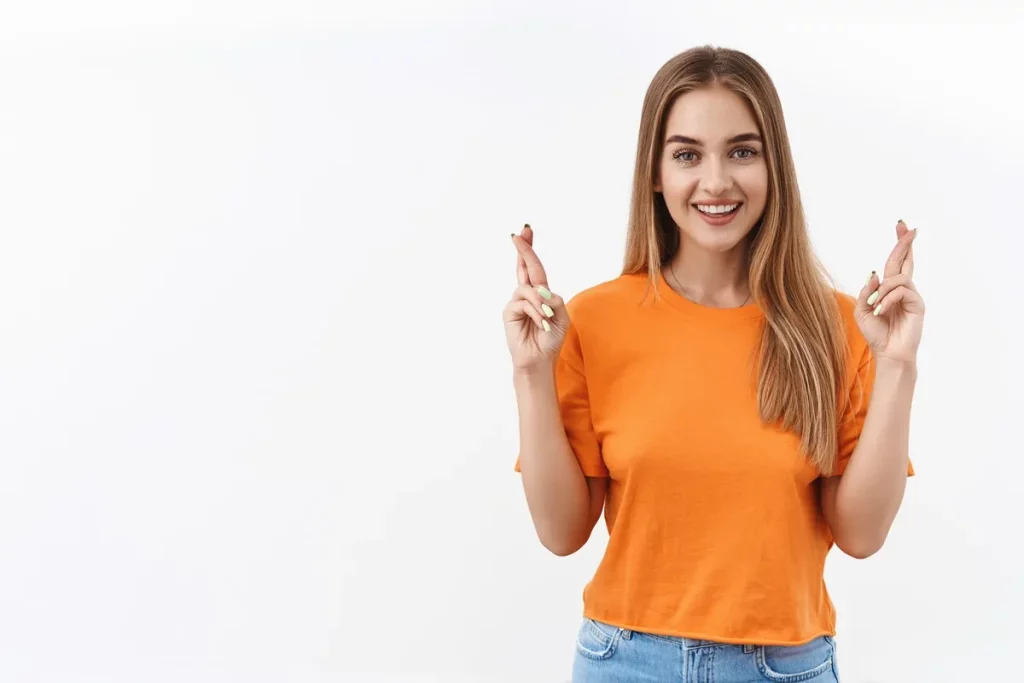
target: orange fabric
715 529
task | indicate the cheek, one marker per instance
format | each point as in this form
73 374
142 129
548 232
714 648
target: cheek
677 182
755 182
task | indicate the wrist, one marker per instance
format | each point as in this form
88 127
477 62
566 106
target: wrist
901 363
896 367
541 374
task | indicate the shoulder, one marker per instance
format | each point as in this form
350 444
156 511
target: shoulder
607 299
847 305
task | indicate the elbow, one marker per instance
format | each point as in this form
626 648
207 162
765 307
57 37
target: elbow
861 548
860 552
562 545
561 548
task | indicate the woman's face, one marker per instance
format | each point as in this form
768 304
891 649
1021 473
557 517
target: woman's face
712 156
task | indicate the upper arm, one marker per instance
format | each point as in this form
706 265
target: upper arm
598 487
829 487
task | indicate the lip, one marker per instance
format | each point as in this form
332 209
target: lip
718 202
719 221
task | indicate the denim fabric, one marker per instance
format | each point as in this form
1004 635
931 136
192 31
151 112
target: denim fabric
609 654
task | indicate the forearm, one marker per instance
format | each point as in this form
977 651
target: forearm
556 489
871 489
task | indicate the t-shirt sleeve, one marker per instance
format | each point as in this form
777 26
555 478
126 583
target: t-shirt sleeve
574 405
852 421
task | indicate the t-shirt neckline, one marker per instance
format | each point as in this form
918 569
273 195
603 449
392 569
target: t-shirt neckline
676 300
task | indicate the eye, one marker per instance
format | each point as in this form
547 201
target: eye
684 156
751 153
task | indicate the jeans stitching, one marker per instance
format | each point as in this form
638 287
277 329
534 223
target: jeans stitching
609 647
762 665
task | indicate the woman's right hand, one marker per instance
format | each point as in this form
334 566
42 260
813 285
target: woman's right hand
535 319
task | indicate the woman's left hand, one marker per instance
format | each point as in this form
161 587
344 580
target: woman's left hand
890 314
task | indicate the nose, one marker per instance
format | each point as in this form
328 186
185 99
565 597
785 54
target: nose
716 179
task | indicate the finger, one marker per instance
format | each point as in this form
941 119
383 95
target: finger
908 262
862 306
550 305
903 296
889 284
522 276
899 252
901 229
534 268
533 295
520 309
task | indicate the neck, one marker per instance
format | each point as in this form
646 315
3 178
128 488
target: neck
711 278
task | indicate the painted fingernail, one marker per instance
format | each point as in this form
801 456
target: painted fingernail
870 277
547 310
878 309
873 298
526 226
547 327
543 291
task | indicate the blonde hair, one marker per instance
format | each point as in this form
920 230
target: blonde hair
802 354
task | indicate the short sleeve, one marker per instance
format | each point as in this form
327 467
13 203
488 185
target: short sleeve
856 410
574 405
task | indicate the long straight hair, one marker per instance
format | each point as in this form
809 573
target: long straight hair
802 354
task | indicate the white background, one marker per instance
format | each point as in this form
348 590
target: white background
256 416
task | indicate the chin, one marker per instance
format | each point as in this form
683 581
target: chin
715 240
712 238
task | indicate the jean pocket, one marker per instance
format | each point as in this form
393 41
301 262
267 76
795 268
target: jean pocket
596 640
787 664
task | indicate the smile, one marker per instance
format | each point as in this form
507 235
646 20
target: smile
718 215
717 209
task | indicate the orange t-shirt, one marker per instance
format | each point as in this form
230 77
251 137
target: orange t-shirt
715 528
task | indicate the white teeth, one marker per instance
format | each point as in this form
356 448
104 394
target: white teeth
716 209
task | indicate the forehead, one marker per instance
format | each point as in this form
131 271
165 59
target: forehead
710 114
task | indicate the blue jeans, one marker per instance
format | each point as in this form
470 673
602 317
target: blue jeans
609 654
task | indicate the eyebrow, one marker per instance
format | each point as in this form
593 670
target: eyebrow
743 137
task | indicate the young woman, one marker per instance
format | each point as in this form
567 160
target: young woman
730 412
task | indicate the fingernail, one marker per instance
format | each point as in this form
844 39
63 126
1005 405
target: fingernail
547 310
878 309
526 226
543 291
873 298
547 327
870 277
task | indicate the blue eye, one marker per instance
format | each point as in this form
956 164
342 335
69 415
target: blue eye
688 156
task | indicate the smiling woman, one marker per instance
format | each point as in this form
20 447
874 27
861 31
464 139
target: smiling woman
690 151
732 415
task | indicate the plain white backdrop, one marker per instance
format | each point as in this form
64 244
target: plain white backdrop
256 415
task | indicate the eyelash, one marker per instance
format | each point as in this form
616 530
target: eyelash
753 154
